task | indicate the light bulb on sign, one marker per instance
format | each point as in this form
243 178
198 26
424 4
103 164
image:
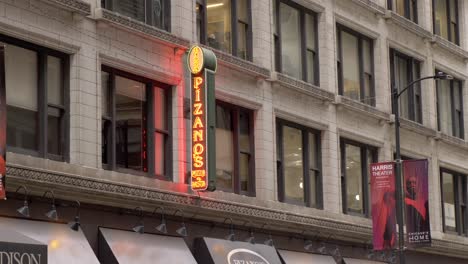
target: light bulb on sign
358 197
301 185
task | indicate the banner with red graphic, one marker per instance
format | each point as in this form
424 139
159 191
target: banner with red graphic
383 205
2 122
416 200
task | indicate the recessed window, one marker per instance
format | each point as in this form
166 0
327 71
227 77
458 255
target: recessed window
298 164
35 96
445 19
405 69
454 198
225 25
234 149
135 133
405 8
355 66
355 161
295 35
450 107
156 13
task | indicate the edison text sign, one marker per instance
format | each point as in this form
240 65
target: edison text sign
202 65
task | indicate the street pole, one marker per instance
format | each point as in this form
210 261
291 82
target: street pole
398 180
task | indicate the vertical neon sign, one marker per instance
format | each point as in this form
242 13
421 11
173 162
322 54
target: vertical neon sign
202 65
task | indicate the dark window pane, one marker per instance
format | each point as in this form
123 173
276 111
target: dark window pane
242 40
54 131
105 95
402 79
129 107
453 21
290 41
313 169
449 201
244 129
199 26
353 169
21 97
244 164
445 107
106 141
224 148
293 164
219 24
440 20
54 81
160 112
159 150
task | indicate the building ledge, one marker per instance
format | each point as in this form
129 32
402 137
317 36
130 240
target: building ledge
76 6
133 25
239 64
456 50
348 103
407 24
451 140
304 87
416 127
371 6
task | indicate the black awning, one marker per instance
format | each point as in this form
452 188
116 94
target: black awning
220 251
14 246
118 246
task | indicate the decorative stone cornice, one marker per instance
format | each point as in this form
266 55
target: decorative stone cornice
77 6
417 128
239 64
304 87
456 50
354 105
371 6
407 24
137 26
454 141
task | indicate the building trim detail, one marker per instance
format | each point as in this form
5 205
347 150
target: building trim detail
72 5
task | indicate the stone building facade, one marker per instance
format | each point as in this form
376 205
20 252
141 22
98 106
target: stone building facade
96 39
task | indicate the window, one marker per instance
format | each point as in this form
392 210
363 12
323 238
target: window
450 107
355 66
296 47
225 25
404 70
234 149
135 127
454 198
298 164
405 8
445 19
36 97
355 161
156 13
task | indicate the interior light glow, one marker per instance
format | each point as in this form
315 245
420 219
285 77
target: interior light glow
214 5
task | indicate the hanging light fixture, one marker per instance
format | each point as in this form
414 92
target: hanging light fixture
139 227
231 236
24 210
182 231
75 224
322 249
251 238
308 244
162 227
52 214
269 241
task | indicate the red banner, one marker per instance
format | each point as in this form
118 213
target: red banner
416 189
2 123
383 205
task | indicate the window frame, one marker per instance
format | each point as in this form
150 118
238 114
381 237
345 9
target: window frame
365 150
42 100
449 22
166 10
360 37
234 31
303 41
453 107
280 123
236 183
459 181
150 127
412 63
407 15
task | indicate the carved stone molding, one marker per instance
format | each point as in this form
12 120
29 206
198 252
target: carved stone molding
449 46
304 87
371 6
417 128
239 64
454 141
408 24
72 5
134 25
371 111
